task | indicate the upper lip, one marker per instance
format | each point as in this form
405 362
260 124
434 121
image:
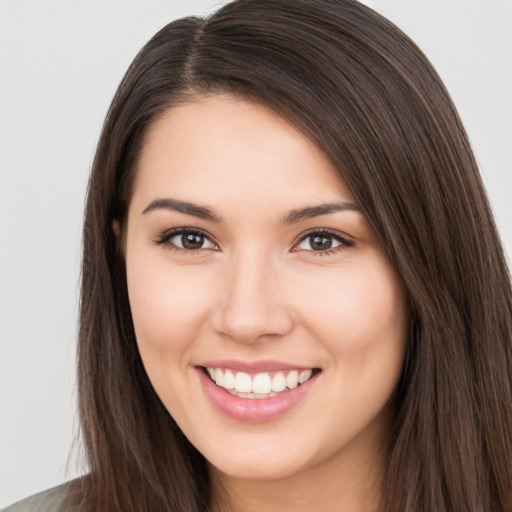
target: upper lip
253 366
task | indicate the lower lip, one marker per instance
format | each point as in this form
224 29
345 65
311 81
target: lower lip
253 410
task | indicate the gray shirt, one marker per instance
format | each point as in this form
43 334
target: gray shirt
51 500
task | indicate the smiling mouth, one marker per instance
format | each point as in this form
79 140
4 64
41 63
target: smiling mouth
259 385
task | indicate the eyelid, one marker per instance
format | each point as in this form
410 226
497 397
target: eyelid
344 240
165 237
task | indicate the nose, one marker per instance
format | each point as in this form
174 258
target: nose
251 305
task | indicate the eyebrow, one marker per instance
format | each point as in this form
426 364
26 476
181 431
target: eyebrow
315 211
203 212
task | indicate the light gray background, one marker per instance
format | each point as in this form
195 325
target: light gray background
60 62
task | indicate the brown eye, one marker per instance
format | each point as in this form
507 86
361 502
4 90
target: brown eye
186 239
322 241
192 241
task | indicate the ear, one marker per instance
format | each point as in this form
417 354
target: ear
116 228
119 234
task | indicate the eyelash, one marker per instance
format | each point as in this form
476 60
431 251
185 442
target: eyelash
167 236
344 243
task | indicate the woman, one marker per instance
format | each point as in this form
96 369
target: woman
293 292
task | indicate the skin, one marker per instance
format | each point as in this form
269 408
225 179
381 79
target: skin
256 290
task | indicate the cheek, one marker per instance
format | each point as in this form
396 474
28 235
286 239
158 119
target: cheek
362 322
361 315
168 305
168 309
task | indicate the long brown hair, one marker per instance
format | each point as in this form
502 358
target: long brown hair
367 96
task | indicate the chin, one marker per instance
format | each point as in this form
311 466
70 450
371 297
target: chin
262 457
258 469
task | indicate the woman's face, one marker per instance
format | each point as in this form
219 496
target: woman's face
248 260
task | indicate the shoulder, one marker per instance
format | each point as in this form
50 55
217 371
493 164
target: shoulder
51 500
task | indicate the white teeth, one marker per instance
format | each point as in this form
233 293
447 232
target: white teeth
292 379
278 382
304 376
260 385
243 382
251 395
219 377
229 380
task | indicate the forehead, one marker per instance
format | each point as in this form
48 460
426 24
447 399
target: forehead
225 148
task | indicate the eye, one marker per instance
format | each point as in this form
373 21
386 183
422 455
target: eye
186 239
322 242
